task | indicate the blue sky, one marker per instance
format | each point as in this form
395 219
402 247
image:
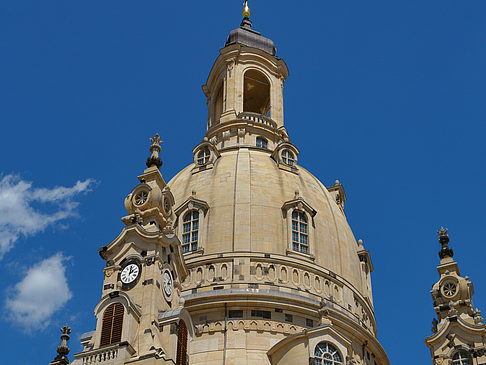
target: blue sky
387 97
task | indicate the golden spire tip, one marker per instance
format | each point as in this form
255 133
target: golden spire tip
246 10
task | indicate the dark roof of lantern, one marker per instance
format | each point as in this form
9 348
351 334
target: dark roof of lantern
248 37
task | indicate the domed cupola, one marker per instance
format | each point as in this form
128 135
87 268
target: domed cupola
249 37
271 256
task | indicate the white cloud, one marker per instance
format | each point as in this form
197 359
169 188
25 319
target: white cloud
42 291
18 216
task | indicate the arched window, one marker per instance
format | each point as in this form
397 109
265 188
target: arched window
327 354
181 344
203 156
218 105
288 157
256 97
190 231
261 142
461 358
300 232
112 324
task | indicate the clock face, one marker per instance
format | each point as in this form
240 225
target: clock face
129 273
167 284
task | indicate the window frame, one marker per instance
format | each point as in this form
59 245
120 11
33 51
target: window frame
203 156
320 360
190 205
301 207
261 142
280 156
463 360
190 233
300 231
119 318
287 160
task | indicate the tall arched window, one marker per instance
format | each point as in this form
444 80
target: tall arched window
461 358
218 104
256 97
327 354
112 324
261 142
181 344
300 232
190 231
203 156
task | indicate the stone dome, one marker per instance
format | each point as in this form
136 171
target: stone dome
246 191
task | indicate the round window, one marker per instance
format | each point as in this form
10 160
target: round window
449 289
166 205
140 198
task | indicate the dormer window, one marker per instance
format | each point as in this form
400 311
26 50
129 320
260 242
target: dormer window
261 142
288 158
203 156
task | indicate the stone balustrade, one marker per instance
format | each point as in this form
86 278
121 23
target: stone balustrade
105 355
258 118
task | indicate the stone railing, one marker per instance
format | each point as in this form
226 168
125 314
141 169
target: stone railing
101 356
258 118
106 355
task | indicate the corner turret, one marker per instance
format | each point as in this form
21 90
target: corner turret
458 331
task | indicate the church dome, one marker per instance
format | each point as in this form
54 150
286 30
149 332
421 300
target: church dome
247 194
247 36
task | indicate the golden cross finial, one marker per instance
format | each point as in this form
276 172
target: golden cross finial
246 10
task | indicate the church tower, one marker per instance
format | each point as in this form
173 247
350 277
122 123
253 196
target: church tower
458 332
275 273
244 257
140 318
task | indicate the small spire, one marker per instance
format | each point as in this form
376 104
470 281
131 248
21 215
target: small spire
63 349
444 241
246 10
155 149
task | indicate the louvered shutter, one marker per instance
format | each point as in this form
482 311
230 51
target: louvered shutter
181 344
112 324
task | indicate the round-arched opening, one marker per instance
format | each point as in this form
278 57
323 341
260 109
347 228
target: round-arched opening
218 104
112 324
256 93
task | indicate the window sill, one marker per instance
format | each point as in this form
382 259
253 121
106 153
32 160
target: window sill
298 254
198 252
199 168
288 168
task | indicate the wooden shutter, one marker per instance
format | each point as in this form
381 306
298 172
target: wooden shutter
112 324
181 344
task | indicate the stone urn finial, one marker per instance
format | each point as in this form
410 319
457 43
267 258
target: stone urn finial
63 349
